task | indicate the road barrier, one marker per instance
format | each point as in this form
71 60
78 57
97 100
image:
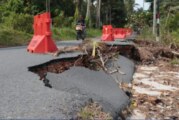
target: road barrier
110 34
42 41
107 33
128 31
119 33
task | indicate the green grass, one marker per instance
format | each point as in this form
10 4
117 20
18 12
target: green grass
63 33
94 33
93 111
175 36
9 37
146 34
175 61
165 37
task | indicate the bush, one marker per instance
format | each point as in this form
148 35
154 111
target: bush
21 22
64 33
70 33
93 32
62 21
174 23
9 37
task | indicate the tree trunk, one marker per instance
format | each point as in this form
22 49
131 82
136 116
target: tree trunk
76 15
88 13
98 15
168 16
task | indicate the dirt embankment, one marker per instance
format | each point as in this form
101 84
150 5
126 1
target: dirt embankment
150 52
103 53
142 52
155 93
155 86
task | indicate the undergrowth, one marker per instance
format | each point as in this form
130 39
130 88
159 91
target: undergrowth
70 33
166 37
13 37
175 61
10 37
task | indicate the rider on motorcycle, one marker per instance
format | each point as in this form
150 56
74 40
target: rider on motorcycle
80 28
81 21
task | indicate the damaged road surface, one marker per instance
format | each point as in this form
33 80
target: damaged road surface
23 95
96 85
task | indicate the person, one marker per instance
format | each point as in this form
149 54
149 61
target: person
81 28
81 21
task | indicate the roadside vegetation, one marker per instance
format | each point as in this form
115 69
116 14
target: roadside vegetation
10 37
175 61
16 18
67 33
93 111
169 25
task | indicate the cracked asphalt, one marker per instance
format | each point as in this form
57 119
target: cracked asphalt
23 95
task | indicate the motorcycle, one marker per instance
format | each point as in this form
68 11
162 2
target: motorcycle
80 31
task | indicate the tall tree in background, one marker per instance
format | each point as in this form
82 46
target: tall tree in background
113 12
98 13
129 6
79 8
118 13
88 13
169 8
76 15
104 11
168 12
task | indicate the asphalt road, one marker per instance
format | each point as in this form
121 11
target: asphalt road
98 85
23 95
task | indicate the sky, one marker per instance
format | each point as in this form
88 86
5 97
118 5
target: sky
140 2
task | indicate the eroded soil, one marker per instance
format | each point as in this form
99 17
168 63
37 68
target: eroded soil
155 92
155 86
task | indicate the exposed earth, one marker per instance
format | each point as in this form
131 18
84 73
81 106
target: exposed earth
155 86
156 92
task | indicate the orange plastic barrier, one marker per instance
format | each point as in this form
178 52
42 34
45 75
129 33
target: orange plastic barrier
42 41
107 33
119 33
128 31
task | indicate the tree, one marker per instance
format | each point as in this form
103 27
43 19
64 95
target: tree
129 6
98 13
79 8
15 6
169 8
88 13
76 15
